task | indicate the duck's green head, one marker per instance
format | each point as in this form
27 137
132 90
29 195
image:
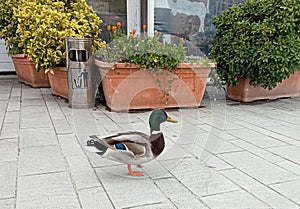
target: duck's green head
157 117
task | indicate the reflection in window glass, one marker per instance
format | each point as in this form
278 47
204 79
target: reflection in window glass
110 12
191 20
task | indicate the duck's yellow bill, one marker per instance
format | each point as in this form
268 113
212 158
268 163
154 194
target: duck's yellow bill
169 119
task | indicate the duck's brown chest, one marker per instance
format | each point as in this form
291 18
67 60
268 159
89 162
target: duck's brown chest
157 143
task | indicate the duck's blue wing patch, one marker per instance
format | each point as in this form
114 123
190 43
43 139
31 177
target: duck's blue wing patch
119 145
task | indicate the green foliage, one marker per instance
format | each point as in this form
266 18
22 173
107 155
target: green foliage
8 25
43 26
258 39
146 51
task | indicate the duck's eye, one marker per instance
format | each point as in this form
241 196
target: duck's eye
121 146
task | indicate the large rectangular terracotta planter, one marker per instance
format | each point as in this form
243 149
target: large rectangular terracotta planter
127 87
59 82
27 72
245 92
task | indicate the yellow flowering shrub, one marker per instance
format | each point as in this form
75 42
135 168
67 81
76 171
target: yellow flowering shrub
43 26
8 26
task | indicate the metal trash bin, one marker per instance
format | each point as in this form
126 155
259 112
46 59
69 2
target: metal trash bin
81 88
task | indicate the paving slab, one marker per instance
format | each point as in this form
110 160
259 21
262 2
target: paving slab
290 190
37 137
9 149
288 165
94 198
163 205
36 122
264 193
69 145
31 93
290 153
179 194
54 109
7 203
224 155
258 168
4 96
16 90
267 155
34 110
129 192
10 127
47 191
201 180
8 172
210 160
234 200
62 126
268 131
291 131
256 138
14 104
82 173
12 116
43 159
33 102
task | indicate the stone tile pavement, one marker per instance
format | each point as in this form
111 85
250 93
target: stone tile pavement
225 155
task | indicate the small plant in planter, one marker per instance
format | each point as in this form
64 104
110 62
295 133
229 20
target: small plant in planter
258 40
43 26
155 71
148 52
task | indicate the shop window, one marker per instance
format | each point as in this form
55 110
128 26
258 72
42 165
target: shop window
191 20
110 12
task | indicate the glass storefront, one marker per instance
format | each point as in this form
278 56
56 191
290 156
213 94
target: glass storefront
188 19
110 12
191 20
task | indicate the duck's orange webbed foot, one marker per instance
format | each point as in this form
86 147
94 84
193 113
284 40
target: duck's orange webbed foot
133 173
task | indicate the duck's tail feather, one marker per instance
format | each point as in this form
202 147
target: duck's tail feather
95 142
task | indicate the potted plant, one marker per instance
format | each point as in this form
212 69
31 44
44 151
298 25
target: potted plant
24 67
257 48
43 26
141 72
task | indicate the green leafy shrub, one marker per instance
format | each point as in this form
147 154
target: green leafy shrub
43 26
9 25
258 39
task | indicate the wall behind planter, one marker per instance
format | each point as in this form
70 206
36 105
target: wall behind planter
6 64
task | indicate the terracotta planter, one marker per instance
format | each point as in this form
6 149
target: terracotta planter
127 87
245 92
59 82
27 73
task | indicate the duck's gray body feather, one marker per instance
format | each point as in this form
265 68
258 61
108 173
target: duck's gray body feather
140 147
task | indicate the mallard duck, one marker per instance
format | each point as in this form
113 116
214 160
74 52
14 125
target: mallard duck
134 147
